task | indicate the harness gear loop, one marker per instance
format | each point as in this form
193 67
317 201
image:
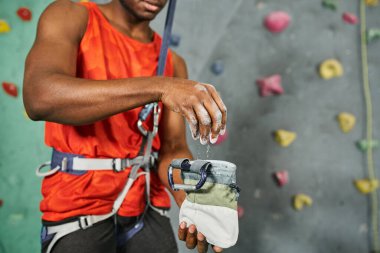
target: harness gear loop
45 174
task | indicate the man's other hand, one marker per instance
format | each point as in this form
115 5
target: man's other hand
194 239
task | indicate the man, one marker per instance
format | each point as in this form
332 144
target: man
88 74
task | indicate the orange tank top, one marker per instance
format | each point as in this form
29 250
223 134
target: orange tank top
104 54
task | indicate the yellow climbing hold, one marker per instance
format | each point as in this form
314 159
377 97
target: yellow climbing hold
366 186
285 138
372 2
301 200
346 121
83 1
330 68
4 26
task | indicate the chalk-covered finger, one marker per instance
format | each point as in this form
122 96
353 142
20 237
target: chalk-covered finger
218 100
216 118
191 118
204 122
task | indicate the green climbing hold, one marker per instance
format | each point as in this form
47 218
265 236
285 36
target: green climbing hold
330 4
364 145
372 35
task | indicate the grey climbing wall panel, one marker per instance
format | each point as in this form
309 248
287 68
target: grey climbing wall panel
322 162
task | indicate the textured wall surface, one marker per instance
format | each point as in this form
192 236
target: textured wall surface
322 162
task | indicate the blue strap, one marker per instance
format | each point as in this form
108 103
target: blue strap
163 53
56 160
124 235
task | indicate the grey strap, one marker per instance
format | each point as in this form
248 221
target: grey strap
197 165
148 150
178 163
84 222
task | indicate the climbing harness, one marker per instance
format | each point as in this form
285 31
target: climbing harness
369 131
211 198
76 164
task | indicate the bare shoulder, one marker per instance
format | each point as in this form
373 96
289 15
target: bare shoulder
179 63
64 16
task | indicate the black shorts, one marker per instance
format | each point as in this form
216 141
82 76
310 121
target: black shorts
155 237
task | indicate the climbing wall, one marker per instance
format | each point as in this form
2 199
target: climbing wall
322 162
225 43
21 146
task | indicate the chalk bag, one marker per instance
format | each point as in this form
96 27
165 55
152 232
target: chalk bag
211 198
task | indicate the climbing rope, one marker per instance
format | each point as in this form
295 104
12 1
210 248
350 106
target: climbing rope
369 129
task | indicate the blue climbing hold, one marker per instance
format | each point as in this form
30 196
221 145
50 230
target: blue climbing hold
175 39
217 67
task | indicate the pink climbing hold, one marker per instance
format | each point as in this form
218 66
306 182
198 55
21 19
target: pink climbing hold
282 177
350 18
240 211
277 21
221 138
270 85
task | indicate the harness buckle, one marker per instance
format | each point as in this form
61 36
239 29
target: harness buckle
117 164
85 222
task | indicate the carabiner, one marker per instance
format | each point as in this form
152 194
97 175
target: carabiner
144 115
185 165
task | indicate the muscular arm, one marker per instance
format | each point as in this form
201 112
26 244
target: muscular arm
52 92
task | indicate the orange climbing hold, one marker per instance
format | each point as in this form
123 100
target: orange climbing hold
10 89
366 186
285 138
302 200
4 26
346 121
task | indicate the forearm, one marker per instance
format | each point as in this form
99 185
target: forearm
164 161
75 101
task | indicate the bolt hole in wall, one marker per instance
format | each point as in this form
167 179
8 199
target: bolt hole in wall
298 118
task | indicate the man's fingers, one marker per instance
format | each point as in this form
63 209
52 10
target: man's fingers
202 245
204 121
217 249
216 118
182 231
193 122
222 107
191 238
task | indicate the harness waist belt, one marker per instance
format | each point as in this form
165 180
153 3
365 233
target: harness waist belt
77 164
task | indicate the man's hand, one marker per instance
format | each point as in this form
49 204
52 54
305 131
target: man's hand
194 239
201 105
